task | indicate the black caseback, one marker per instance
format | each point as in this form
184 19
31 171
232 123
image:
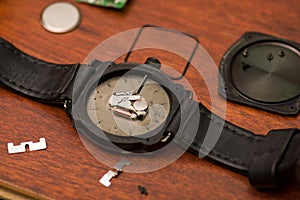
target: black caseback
262 71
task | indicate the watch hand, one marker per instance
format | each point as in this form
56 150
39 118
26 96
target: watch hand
141 85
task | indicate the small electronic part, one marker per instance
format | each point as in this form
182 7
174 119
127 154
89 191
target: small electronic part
118 4
129 104
12 149
143 190
105 180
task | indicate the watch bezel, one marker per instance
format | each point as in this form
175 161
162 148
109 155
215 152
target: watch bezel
151 141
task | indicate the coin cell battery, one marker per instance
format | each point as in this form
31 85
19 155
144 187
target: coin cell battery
60 17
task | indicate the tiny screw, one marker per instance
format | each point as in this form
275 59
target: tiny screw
281 53
143 190
270 57
245 53
292 108
224 90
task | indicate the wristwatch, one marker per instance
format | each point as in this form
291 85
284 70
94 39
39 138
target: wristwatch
151 110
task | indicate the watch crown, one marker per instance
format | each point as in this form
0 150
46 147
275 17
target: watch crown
154 62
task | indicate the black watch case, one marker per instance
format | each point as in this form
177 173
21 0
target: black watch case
150 141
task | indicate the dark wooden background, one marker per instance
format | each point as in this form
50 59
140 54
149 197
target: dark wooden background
66 170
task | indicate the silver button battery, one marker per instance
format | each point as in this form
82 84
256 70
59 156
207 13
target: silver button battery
60 17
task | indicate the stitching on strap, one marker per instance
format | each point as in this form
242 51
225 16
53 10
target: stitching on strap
29 89
233 131
23 55
230 128
34 61
224 157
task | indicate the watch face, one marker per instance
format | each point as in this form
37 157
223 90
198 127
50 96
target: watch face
133 110
130 104
128 107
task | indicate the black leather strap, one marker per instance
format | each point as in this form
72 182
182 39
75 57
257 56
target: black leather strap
43 81
267 160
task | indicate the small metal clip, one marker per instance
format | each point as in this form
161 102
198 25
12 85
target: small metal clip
22 147
105 180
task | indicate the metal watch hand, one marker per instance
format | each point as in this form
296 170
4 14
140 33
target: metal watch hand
140 87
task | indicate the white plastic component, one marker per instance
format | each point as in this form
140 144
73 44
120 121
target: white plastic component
12 149
105 180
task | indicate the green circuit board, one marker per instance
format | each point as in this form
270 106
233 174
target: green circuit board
118 4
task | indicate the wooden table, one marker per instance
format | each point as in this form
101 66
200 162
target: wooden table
66 170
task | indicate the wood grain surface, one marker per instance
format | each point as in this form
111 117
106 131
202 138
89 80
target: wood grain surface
66 170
